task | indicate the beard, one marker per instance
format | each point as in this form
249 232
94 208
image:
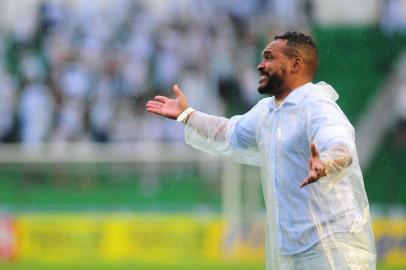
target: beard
274 83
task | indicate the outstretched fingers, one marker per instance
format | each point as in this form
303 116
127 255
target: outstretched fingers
155 111
154 106
316 167
161 99
305 182
154 103
177 90
168 107
313 149
312 177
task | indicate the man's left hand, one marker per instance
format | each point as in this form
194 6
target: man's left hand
317 169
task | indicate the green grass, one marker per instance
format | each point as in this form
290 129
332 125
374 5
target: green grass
185 266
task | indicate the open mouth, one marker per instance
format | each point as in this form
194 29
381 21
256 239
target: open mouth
263 78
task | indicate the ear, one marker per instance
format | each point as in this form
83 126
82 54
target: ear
297 65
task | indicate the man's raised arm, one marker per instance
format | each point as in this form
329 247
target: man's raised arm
208 133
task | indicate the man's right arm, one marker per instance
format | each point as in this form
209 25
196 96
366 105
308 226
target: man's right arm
234 138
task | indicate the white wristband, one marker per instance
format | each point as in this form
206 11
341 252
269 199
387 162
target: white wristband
184 115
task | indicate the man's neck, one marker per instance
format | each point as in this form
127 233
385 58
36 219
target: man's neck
289 88
278 102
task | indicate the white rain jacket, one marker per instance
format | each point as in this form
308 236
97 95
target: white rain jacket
277 139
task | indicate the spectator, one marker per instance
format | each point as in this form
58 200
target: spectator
36 113
8 99
99 61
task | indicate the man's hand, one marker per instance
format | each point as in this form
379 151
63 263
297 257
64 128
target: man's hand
317 168
168 107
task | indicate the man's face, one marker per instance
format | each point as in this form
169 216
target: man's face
273 68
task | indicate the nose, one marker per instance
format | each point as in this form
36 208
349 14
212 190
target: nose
260 66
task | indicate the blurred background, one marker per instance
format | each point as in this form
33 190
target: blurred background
88 180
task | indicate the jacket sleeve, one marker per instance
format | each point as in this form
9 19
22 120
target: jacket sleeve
233 138
333 134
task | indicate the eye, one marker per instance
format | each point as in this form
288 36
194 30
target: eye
268 57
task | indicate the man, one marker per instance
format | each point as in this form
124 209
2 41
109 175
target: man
317 209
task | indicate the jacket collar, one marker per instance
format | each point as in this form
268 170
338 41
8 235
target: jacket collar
297 95
294 97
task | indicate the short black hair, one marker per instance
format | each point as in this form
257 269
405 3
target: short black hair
303 46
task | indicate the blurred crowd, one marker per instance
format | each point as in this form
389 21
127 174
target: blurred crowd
83 72
392 17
